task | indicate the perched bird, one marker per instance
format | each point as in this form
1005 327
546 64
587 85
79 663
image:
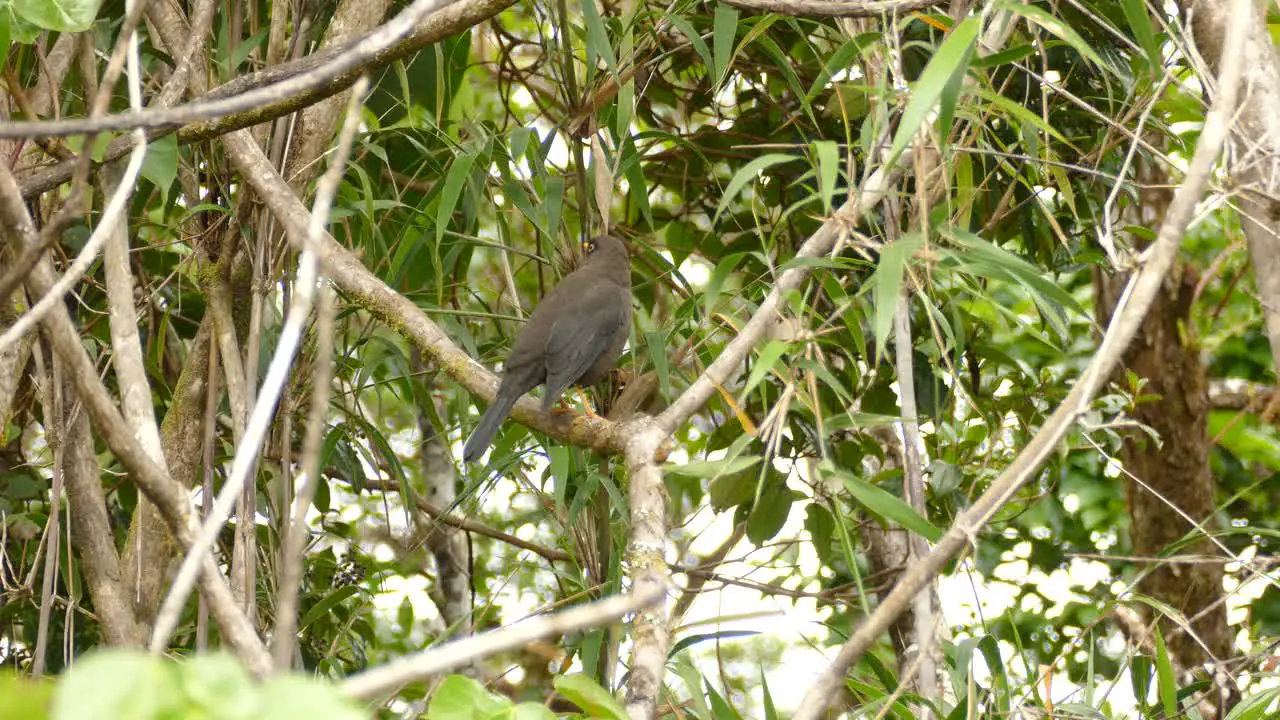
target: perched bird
573 337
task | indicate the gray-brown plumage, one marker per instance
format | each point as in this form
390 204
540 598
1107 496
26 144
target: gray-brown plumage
574 337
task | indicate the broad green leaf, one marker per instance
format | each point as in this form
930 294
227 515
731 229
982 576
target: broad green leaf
887 284
24 698
58 15
719 706
951 59
881 503
461 698
828 154
294 696
218 684
118 685
586 694
771 510
711 292
724 29
459 171
748 174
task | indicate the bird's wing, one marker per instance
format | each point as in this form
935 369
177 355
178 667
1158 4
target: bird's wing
576 340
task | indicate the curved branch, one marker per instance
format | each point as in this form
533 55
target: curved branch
351 58
438 25
828 8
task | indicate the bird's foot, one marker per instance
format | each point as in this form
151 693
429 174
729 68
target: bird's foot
586 405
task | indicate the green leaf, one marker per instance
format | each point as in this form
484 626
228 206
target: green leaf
887 284
1057 27
330 599
118 685
724 28
699 45
58 15
1166 684
461 698
764 364
748 174
828 154
1139 21
771 510
951 59
24 698
883 504
715 468
1256 706
293 696
586 694
219 685
453 183
160 165
597 37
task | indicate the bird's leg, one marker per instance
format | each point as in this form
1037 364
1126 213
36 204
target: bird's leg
586 403
562 408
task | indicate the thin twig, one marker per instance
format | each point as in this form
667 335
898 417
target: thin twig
352 56
295 532
377 682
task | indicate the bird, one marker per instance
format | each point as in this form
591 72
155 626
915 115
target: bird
573 337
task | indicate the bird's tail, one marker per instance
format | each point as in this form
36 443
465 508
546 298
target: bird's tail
492 419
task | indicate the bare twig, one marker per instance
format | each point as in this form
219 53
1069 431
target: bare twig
833 8
355 55
152 479
379 681
277 374
296 531
1128 316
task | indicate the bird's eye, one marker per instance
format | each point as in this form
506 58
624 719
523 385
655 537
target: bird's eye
589 246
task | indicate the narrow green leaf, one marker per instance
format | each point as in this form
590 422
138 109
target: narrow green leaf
597 37
699 45
453 184
881 503
1139 21
1059 28
724 29
828 154
951 59
322 608
715 468
768 358
1166 685
887 284
748 174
